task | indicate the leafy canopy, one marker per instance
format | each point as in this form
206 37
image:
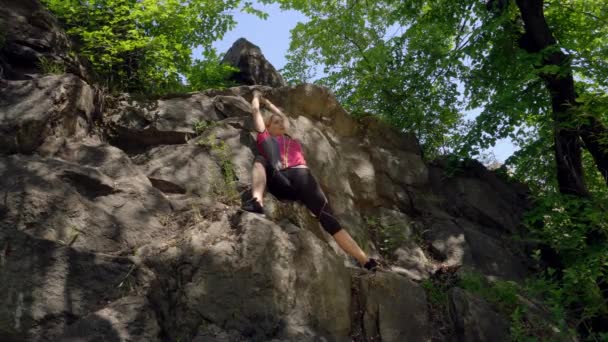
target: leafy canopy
383 58
423 65
146 45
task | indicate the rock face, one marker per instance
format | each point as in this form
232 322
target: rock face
253 66
391 308
251 278
29 37
41 113
475 319
133 232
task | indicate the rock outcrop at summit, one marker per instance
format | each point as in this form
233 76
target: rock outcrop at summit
127 226
253 67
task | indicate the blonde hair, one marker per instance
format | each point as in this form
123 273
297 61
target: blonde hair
269 120
283 117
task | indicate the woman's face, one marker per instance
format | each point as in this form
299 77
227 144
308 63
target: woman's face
277 126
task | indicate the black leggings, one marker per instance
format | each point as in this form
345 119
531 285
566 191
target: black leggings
298 184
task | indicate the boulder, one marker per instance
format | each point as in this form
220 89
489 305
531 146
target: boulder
475 320
402 168
42 113
79 206
181 169
391 308
137 125
48 285
129 318
134 125
447 241
253 66
378 130
29 36
248 275
459 242
501 258
317 103
472 191
232 144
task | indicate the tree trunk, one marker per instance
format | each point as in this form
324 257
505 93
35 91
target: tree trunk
567 147
595 137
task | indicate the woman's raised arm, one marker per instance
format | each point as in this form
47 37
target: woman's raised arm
272 107
258 120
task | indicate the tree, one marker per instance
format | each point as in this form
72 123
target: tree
145 45
421 64
373 66
560 84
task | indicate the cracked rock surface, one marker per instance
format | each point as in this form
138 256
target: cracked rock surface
125 226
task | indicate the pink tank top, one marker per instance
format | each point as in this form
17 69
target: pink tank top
290 149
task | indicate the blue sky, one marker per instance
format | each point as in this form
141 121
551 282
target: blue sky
272 36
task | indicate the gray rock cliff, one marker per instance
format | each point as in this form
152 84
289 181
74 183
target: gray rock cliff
126 227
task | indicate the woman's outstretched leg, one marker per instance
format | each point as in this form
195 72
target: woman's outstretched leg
258 185
311 194
258 181
350 246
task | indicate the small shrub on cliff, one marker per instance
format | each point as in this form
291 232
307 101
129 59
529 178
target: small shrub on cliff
225 191
438 302
386 237
501 294
436 293
200 126
49 66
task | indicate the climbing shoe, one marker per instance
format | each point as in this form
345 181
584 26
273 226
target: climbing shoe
371 265
253 206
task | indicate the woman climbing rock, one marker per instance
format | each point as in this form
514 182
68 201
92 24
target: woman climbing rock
281 166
